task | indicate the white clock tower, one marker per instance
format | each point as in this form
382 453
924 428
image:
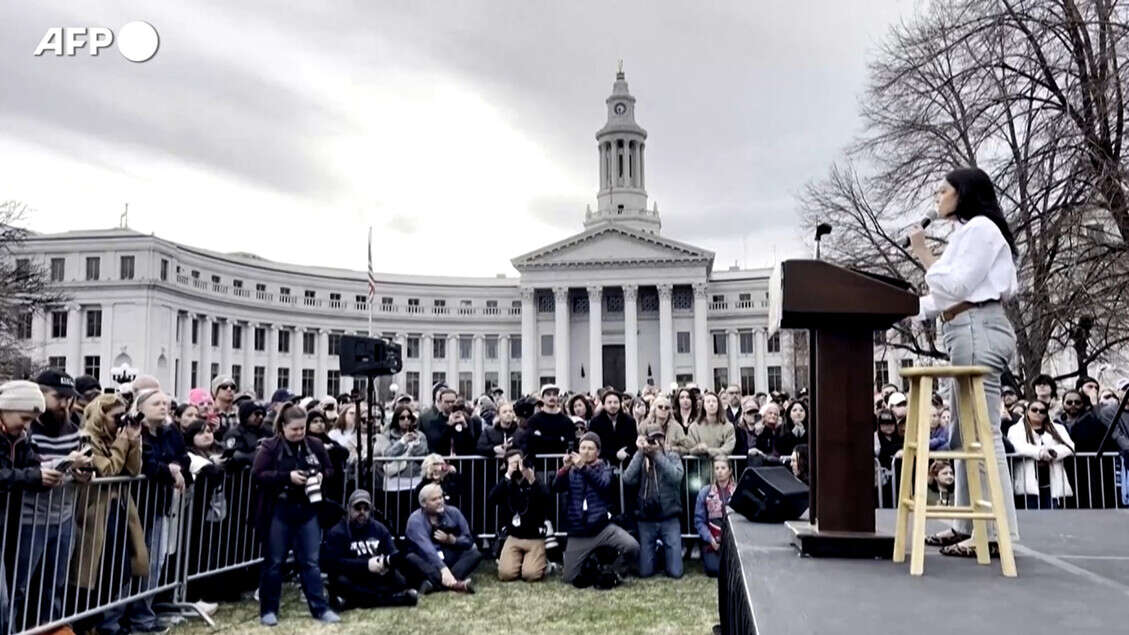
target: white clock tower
622 196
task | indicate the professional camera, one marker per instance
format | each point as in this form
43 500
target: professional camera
313 486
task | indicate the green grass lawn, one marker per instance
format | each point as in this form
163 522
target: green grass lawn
655 605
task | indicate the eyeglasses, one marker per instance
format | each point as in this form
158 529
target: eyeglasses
227 386
1072 402
662 407
750 412
1037 411
406 417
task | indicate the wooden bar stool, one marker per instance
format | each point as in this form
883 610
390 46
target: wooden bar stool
976 433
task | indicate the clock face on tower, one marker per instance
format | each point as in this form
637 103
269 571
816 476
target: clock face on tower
620 109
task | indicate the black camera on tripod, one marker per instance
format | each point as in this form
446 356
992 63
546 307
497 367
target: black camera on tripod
370 356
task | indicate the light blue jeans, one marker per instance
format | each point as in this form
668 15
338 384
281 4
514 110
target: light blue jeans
982 336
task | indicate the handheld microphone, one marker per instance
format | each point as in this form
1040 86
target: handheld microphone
925 222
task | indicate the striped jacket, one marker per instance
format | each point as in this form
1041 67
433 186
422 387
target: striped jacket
55 505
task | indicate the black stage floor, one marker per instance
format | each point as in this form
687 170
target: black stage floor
1073 578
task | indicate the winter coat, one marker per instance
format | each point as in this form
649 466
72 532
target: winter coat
527 501
676 439
588 488
452 440
19 472
346 550
615 437
550 433
710 508
400 475
452 485
112 456
420 535
158 451
241 442
720 438
495 435
271 475
1026 472
659 484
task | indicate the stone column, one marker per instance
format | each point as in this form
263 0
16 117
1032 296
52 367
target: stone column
760 336
296 362
631 338
321 379
75 328
204 377
453 361
561 336
402 376
666 337
528 342
225 347
702 375
478 353
595 338
183 386
504 364
425 370
271 383
247 341
107 349
731 349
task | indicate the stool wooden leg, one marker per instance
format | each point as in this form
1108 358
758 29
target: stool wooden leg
905 481
921 414
970 432
1007 556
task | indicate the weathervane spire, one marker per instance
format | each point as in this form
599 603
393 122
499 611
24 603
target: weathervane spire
619 70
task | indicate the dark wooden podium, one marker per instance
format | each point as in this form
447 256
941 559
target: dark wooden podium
842 308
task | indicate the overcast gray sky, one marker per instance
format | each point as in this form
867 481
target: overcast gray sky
462 131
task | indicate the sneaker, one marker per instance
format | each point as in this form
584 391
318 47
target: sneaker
426 587
206 608
269 619
463 586
329 617
551 569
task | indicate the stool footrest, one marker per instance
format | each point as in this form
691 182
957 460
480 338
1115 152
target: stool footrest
929 513
968 455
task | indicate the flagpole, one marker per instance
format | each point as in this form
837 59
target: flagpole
371 295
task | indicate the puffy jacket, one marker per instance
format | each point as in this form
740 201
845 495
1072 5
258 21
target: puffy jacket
588 488
659 484
19 465
495 435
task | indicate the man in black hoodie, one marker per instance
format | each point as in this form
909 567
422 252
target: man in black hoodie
550 431
361 560
521 500
241 442
616 430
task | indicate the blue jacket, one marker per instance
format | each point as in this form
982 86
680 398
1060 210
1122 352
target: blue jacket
420 534
587 488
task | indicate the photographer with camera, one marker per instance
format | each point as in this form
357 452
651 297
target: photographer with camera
657 472
289 469
442 543
587 481
360 558
522 500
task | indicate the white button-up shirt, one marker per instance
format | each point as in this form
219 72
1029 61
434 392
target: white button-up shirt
976 266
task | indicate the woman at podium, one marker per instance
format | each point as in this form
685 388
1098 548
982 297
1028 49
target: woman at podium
967 285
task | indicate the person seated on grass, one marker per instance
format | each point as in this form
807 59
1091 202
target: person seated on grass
442 544
709 513
362 562
657 473
522 501
587 481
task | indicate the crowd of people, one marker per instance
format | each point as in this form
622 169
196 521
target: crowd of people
309 458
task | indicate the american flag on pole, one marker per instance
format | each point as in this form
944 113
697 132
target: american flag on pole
371 275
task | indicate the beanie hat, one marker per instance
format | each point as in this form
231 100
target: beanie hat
21 395
590 436
249 407
199 396
219 381
143 396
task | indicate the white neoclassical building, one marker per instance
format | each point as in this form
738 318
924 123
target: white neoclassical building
616 304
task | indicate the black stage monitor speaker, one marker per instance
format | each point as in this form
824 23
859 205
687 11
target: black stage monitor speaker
369 356
769 495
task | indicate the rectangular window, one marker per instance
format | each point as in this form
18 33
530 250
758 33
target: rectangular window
548 379
411 381
718 299
515 348
59 324
491 381
93 267
260 338
547 345
745 341
126 268
719 343
58 269
284 291
260 287
58 362
466 384
335 344
748 380
195 273
438 376
683 341
94 322
515 384
775 378
259 381
284 341
237 375
361 300
309 343
215 279
413 301
284 378
774 343
439 347
466 345
491 348
745 297
23 267
413 349
440 303
881 372
386 301
307 381
237 336
195 333
906 363
683 378
213 372
333 382
23 327
720 379
92 365
214 338
236 283
195 374
164 270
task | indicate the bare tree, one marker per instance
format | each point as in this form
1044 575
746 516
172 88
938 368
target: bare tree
1031 92
25 290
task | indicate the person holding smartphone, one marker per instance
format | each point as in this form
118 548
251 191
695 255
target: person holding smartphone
1040 477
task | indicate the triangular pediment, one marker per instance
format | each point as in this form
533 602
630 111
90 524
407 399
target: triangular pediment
610 245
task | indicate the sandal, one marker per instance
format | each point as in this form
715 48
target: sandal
946 539
962 550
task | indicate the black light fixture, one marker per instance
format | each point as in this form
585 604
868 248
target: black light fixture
582 370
